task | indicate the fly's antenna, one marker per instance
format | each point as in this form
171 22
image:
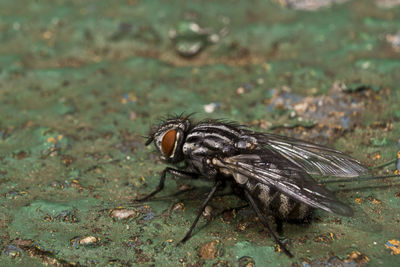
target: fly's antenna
149 138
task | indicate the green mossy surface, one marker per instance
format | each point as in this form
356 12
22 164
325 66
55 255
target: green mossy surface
82 81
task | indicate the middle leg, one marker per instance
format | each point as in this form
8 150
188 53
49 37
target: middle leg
179 173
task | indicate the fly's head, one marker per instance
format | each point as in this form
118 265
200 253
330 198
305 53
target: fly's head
168 138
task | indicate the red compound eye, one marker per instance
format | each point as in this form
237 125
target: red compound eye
168 142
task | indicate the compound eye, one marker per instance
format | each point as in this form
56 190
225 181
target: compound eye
168 143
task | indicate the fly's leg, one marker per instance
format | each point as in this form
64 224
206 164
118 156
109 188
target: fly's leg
278 221
279 225
265 223
203 206
178 173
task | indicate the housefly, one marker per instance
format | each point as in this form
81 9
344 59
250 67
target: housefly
272 172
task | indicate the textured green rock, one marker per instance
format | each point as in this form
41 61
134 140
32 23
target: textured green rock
81 82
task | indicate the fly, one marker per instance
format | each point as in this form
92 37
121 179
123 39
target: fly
272 172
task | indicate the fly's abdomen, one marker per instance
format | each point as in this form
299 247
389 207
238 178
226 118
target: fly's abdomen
277 204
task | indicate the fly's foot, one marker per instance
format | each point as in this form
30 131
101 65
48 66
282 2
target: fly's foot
183 241
143 199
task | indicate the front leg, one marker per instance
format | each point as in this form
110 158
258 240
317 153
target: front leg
203 206
178 173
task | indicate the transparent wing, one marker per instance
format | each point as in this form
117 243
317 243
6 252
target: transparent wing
270 168
312 158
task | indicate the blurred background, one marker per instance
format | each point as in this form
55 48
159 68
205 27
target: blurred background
82 81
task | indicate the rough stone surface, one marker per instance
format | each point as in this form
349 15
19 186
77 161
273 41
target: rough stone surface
81 82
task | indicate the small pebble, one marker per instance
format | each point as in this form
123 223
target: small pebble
208 251
210 108
121 214
207 211
178 207
185 187
84 241
13 251
89 240
240 91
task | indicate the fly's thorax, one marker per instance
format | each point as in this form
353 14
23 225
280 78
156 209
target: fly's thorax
206 139
169 139
246 142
